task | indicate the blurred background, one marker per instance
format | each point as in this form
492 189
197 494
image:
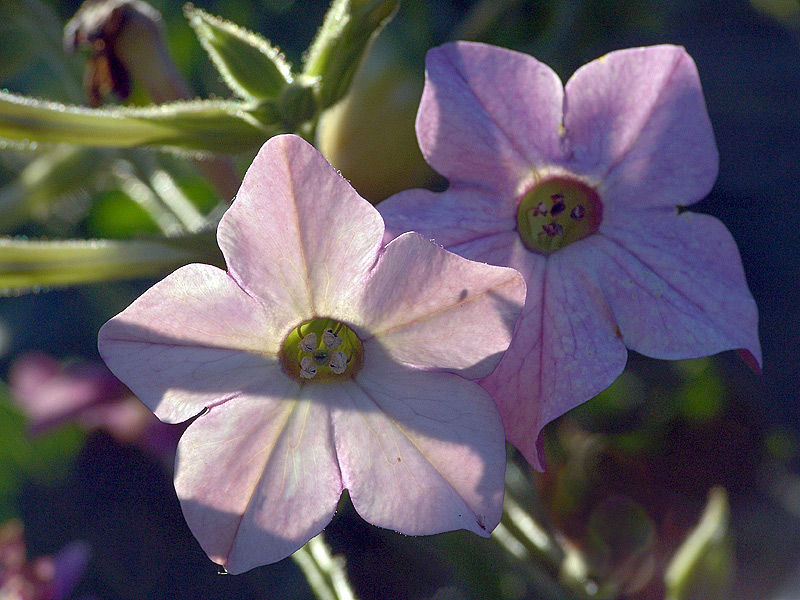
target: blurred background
82 462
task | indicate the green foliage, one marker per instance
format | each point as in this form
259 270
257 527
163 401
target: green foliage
250 66
702 568
24 457
30 265
203 125
342 41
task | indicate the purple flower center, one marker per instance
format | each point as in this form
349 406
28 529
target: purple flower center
556 212
321 350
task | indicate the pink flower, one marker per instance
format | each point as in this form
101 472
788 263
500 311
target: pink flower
577 187
46 577
321 361
51 394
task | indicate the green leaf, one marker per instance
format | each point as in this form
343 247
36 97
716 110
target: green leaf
248 63
702 568
28 265
201 125
21 456
59 172
342 41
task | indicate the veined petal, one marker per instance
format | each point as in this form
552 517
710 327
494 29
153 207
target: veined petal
433 309
636 120
456 216
676 286
565 351
190 341
488 116
298 236
258 477
420 452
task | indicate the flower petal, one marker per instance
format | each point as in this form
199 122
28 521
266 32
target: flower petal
190 341
257 477
433 309
298 237
449 218
565 350
420 452
676 286
636 119
488 115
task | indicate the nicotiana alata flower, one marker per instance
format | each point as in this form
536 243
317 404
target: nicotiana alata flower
577 187
320 361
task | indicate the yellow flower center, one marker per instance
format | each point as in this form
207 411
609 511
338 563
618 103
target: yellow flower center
321 350
556 212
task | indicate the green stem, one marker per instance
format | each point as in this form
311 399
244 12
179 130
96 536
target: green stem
325 573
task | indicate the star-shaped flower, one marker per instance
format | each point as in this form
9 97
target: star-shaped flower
321 361
577 188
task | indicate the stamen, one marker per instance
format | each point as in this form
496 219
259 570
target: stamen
307 368
308 343
322 349
577 212
558 205
331 340
552 229
338 362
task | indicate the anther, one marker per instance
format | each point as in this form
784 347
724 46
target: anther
307 368
552 229
541 209
338 362
577 212
331 340
558 205
308 343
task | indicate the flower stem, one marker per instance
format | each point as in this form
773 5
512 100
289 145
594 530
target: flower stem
325 573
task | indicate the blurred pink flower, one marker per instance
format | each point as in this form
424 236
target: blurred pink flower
46 577
577 187
51 394
321 361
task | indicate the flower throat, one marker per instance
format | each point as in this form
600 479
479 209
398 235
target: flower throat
321 350
557 212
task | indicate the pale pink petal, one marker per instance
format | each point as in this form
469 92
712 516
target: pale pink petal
502 249
435 310
420 452
257 477
455 217
566 349
298 237
190 341
636 120
676 286
488 115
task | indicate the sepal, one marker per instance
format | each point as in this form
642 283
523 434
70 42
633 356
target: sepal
250 66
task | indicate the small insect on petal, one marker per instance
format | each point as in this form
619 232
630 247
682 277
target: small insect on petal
338 362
